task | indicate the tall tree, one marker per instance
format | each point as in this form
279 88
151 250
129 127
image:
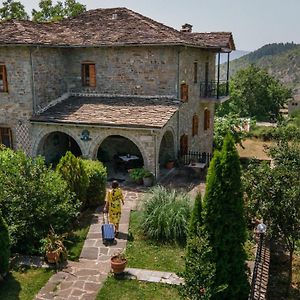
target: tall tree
49 12
4 247
224 222
196 217
255 93
13 10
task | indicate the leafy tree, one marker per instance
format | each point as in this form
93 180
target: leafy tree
13 10
49 12
32 197
4 247
230 123
73 172
274 194
255 93
224 222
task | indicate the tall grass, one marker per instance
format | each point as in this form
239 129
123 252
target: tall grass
166 215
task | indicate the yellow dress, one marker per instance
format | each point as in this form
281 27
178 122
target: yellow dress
114 198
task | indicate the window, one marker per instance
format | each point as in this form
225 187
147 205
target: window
3 79
184 92
195 72
206 119
6 137
195 125
184 144
88 74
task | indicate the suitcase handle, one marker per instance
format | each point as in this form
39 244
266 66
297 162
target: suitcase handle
106 218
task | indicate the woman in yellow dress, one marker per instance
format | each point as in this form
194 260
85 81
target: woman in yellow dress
113 203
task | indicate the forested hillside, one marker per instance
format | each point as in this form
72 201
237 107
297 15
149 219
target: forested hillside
280 60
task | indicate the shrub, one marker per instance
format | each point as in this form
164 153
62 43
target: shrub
166 215
136 174
32 196
97 176
73 172
4 247
196 217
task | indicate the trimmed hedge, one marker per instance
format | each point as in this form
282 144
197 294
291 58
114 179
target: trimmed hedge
97 176
4 246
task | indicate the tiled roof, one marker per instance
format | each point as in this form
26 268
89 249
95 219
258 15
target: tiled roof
104 27
144 112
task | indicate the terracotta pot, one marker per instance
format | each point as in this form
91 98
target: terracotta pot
53 256
118 265
170 165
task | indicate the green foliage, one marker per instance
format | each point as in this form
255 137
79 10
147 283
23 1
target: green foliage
32 196
12 10
49 12
4 246
231 123
265 133
137 174
196 217
73 172
199 274
97 176
255 93
166 215
224 222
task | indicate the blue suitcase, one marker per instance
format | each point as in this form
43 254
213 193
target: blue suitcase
108 232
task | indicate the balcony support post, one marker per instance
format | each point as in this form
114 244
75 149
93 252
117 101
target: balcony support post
218 82
227 76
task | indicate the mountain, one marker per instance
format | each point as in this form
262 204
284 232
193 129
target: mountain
280 60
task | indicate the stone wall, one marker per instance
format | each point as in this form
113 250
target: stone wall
127 70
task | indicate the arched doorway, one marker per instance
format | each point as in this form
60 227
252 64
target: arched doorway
166 150
55 145
119 154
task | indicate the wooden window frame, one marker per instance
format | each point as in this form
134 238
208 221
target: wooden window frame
184 144
3 73
195 71
6 131
184 92
195 125
88 74
206 119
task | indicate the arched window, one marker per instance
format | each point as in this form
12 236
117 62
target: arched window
184 92
184 144
206 119
195 125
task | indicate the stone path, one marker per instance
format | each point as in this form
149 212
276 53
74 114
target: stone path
83 279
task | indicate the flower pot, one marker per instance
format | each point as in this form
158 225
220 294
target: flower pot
148 181
53 256
118 264
170 165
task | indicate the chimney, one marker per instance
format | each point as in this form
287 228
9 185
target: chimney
186 28
114 16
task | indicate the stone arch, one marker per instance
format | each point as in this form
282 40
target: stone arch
167 147
53 144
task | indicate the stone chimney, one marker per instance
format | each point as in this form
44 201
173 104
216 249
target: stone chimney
186 28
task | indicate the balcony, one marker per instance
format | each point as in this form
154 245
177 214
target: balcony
215 90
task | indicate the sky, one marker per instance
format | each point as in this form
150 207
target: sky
253 23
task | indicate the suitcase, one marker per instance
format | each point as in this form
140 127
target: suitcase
108 231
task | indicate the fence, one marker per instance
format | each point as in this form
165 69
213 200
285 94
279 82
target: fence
195 156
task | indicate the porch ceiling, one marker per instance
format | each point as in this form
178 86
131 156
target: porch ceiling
144 112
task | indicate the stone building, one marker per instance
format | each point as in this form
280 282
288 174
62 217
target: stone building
107 83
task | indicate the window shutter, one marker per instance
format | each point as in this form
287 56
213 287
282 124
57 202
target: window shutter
6 137
4 87
195 72
195 125
83 75
92 73
206 119
184 92
184 144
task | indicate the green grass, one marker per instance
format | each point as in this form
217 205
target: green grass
146 254
114 289
23 284
76 238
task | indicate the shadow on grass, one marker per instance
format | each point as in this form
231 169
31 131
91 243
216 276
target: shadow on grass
10 288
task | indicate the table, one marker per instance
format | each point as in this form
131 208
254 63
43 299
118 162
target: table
198 168
127 158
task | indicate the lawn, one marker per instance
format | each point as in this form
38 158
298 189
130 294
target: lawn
254 148
24 284
114 289
76 238
145 254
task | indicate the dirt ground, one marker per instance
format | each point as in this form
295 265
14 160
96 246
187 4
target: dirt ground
254 148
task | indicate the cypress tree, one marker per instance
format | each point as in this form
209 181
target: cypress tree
196 217
4 247
224 222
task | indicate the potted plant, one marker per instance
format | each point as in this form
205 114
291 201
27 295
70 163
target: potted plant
170 162
148 178
118 263
54 248
137 175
